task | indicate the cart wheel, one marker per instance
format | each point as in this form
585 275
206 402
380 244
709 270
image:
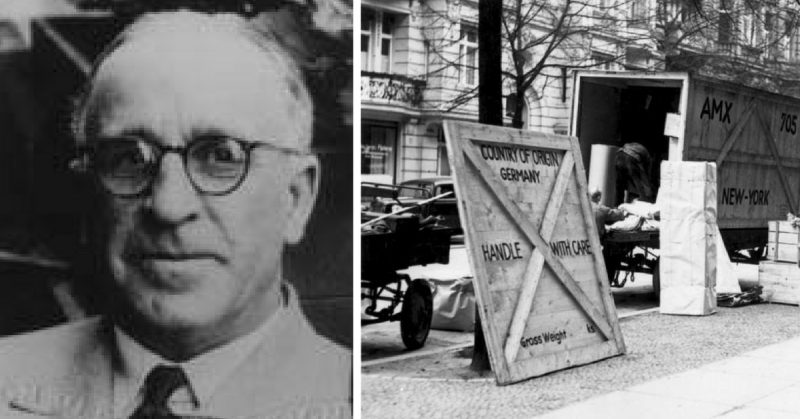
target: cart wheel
415 316
657 280
757 254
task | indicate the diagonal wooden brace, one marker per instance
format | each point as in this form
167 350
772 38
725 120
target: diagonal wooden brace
736 132
536 263
773 148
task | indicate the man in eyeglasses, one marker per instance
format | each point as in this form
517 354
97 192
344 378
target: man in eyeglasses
197 132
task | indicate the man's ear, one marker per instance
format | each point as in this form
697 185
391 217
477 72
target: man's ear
303 187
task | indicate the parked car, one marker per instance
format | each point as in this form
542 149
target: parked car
446 208
379 198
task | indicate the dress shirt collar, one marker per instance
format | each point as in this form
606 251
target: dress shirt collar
204 372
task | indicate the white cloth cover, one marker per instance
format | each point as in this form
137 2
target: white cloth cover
453 304
643 209
727 278
688 201
632 222
602 172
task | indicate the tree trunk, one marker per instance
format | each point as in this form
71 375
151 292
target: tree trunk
490 89
490 111
519 107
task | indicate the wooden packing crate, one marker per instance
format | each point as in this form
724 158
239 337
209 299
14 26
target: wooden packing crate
782 242
781 282
539 274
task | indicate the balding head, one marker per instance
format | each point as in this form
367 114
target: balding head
222 55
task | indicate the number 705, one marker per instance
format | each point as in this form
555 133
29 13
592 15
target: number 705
789 123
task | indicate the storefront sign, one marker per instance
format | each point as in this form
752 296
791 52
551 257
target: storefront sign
376 151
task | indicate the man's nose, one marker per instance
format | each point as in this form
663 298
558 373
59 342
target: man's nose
173 199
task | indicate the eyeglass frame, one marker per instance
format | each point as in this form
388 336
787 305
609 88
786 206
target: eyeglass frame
82 163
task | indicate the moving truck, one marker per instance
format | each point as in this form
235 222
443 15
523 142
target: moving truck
751 134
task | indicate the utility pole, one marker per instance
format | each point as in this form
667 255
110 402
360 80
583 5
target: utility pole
490 44
490 111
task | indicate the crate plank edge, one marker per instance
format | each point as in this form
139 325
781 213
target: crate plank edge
781 282
782 242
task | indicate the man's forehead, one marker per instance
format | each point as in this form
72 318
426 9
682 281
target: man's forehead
219 66
180 57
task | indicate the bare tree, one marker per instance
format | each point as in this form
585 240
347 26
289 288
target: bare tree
540 38
745 41
751 42
546 35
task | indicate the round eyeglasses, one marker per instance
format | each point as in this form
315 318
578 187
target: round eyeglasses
127 166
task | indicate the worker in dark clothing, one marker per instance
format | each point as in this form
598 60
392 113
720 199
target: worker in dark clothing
604 215
634 165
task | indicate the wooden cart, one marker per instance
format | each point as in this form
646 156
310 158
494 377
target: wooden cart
400 234
627 253
404 243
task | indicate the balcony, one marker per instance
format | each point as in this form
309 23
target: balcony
751 52
391 89
728 47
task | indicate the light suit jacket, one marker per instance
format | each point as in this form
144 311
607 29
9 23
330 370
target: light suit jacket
67 372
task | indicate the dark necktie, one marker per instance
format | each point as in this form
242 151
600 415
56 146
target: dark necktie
159 385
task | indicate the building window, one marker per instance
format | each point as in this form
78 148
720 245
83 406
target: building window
443 168
727 25
378 148
601 9
603 61
790 29
676 11
639 10
769 21
752 28
725 35
376 41
468 55
428 57
794 45
772 35
367 18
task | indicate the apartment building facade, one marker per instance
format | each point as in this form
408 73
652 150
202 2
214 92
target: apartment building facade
419 62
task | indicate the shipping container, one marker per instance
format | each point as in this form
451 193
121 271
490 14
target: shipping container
752 135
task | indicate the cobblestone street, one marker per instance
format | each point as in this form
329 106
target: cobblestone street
436 381
657 346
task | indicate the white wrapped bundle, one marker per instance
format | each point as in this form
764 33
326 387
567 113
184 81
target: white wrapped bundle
688 201
602 173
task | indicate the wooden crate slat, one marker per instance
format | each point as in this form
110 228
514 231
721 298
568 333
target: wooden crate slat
781 282
782 242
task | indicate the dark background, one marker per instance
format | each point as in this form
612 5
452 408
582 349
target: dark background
44 207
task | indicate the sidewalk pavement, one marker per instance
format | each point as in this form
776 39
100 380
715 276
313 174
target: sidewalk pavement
764 383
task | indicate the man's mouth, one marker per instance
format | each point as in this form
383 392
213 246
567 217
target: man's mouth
173 271
175 256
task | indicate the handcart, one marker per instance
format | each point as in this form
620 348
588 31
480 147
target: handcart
406 244
394 242
627 253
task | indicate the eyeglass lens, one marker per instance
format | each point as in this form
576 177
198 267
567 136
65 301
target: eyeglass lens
124 166
128 166
216 165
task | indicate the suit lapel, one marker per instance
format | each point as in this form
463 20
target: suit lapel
287 375
277 380
255 385
80 389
